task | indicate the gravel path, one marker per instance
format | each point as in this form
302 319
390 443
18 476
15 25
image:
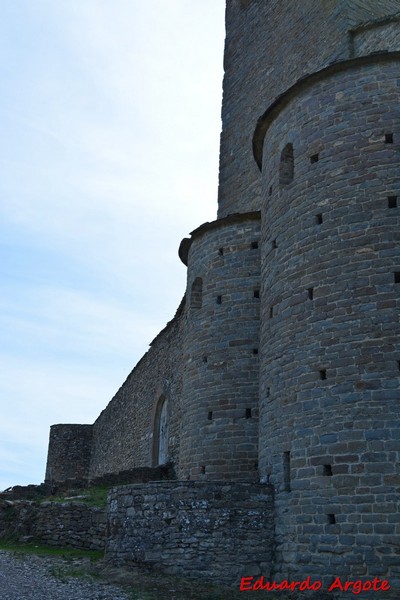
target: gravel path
31 577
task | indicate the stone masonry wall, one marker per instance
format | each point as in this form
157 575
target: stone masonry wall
219 438
381 37
64 525
69 453
123 434
330 339
269 46
215 531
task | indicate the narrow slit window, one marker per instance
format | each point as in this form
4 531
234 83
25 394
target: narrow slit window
202 469
322 373
256 293
392 201
209 416
196 295
286 471
270 191
310 293
248 413
397 277
219 299
286 166
274 245
268 394
271 312
220 251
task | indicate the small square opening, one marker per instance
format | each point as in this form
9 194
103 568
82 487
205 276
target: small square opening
397 277
331 519
248 413
256 293
322 373
254 245
205 359
203 469
255 350
392 201
318 219
388 138
327 470
314 158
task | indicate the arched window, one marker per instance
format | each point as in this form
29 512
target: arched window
160 433
196 295
286 166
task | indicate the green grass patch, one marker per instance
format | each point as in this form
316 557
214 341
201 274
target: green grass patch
42 550
95 496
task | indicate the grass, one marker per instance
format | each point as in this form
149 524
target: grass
42 550
95 496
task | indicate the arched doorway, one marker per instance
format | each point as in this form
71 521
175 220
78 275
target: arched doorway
160 434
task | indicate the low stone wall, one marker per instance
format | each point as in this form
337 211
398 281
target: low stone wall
215 531
65 525
72 524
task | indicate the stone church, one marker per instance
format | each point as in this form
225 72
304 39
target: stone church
275 388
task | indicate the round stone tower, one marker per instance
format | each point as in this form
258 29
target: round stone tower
329 149
219 435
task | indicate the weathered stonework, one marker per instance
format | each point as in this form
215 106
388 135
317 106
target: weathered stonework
330 383
283 363
68 524
70 448
201 530
219 438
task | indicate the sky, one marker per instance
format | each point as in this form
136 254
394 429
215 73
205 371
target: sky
110 124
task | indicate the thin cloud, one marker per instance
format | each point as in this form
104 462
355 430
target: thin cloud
109 157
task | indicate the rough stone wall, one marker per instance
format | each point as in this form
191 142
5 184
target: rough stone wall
214 531
330 350
269 46
219 438
380 37
123 433
69 453
66 525
71 525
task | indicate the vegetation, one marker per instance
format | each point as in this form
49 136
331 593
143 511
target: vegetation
93 496
42 550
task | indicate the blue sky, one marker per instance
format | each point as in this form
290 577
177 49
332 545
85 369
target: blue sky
110 115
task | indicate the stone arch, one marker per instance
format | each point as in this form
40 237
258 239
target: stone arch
196 296
286 166
160 432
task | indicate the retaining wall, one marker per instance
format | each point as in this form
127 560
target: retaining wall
215 531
